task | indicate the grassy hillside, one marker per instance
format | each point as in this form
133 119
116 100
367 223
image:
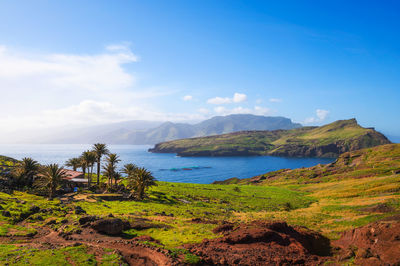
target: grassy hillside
358 188
378 161
326 141
6 163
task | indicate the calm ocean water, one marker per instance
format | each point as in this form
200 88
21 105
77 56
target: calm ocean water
167 167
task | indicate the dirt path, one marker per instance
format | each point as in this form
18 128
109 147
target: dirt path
134 252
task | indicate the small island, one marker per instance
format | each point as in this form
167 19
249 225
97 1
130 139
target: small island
326 141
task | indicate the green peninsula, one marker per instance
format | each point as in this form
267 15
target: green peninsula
326 141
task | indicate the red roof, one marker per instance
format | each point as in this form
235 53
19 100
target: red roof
72 174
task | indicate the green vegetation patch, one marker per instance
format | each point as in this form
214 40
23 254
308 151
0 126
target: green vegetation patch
171 206
14 255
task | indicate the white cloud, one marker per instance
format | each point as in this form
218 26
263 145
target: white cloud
275 100
51 90
64 78
257 110
237 98
320 116
219 100
259 101
187 97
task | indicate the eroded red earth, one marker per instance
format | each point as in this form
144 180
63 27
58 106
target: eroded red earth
256 243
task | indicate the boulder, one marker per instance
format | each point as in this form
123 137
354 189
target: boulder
87 219
110 226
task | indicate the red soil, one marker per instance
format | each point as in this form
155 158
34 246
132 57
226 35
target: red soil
263 243
374 244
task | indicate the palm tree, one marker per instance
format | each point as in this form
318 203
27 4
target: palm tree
129 169
111 166
99 149
74 163
51 178
140 181
25 172
88 158
117 176
109 172
83 165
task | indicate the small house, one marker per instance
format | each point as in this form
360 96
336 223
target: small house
74 179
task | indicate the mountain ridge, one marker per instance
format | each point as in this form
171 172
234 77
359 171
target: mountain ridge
148 132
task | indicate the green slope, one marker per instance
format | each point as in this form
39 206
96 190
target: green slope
325 141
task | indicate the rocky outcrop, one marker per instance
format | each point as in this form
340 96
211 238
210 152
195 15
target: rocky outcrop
112 226
374 244
370 139
263 243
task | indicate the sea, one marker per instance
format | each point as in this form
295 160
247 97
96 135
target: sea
166 167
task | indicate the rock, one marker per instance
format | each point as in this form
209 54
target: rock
264 243
49 210
6 213
87 219
79 210
110 226
34 209
223 228
146 238
52 221
347 254
363 253
376 243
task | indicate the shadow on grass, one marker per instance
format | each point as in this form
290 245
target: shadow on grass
160 197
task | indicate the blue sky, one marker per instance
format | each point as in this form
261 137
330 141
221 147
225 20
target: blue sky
76 62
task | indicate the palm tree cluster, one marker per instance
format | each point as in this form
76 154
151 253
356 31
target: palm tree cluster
87 160
138 179
29 173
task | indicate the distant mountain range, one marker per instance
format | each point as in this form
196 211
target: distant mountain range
147 132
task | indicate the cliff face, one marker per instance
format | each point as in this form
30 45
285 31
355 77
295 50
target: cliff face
370 139
327 141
